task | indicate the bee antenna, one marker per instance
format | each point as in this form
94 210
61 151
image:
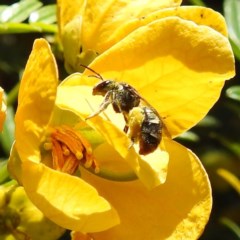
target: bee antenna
97 75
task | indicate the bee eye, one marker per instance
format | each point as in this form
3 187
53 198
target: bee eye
104 84
102 87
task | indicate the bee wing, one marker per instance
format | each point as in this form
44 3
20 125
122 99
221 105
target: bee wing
134 91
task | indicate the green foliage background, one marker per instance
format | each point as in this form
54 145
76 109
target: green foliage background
216 139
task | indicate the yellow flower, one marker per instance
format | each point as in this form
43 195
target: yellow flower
3 108
180 68
48 151
88 28
20 219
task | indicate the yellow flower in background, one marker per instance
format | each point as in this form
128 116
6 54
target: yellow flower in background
180 68
88 28
20 219
3 108
48 151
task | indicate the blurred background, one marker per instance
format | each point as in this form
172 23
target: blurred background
216 139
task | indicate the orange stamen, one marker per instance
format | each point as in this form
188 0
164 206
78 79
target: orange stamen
69 149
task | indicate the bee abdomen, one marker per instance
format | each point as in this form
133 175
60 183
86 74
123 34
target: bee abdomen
151 132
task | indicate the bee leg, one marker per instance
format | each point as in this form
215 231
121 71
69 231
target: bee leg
131 144
107 100
125 129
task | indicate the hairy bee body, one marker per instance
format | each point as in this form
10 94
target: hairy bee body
122 96
151 131
125 98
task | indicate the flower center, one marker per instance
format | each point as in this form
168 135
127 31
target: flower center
69 150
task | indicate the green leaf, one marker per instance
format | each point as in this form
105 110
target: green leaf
50 28
18 12
236 49
4 175
41 19
7 135
231 225
46 14
189 136
197 2
17 28
2 8
210 122
231 12
234 92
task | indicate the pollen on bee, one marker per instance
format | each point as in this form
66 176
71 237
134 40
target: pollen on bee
47 145
69 150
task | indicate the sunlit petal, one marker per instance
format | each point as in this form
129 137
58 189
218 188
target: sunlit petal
15 164
67 200
36 99
181 70
101 20
67 10
199 15
169 211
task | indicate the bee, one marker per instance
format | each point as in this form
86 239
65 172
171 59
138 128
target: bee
142 120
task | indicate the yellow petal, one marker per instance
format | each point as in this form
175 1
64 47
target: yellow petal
115 170
36 99
178 209
15 164
199 15
70 27
3 108
102 18
88 29
72 43
151 169
67 10
67 200
178 66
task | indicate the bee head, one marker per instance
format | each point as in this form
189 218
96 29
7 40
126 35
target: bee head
103 87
